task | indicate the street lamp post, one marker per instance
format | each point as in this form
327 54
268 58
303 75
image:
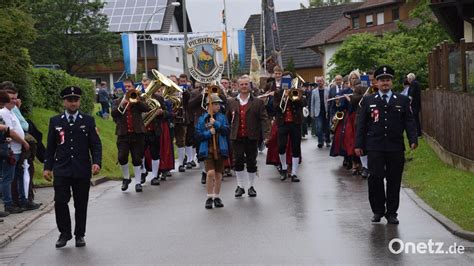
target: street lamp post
176 4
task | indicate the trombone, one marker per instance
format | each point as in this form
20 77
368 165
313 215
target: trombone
132 97
294 94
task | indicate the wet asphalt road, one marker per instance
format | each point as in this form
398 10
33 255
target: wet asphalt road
325 219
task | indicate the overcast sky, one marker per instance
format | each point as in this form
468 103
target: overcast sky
205 15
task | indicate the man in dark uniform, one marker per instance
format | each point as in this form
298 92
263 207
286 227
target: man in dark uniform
383 118
73 154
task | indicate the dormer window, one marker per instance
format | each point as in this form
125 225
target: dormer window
355 22
369 20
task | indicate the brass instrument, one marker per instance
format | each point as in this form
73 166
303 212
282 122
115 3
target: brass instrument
209 90
294 94
339 97
370 90
336 119
168 93
132 97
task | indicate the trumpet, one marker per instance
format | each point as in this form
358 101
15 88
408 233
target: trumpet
339 97
132 97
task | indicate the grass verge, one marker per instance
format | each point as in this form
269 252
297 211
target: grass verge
445 188
106 129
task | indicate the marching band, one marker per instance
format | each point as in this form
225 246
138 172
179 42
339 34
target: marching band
220 127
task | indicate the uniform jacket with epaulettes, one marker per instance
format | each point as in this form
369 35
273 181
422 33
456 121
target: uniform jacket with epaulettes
72 148
380 125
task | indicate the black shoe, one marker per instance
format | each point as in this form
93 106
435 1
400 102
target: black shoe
209 202
4 214
181 168
320 145
155 181
295 179
13 209
63 239
391 219
251 192
125 183
80 242
189 166
138 188
218 203
283 175
168 174
193 164
376 218
349 165
163 176
328 144
345 163
239 192
31 205
143 178
365 172
203 178
355 172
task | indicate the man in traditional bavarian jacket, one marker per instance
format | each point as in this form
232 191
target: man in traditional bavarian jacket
383 118
73 154
248 117
130 132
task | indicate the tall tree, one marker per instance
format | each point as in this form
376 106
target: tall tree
319 3
72 33
16 34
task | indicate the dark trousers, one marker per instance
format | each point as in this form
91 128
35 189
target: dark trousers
180 134
416 115
105 107
245 152
152 141
294 131
133 143
322 128
62 194
190 134
388 165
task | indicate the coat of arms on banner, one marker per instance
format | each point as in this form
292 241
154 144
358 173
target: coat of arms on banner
205 59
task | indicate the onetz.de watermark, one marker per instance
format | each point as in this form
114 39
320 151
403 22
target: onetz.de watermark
398 246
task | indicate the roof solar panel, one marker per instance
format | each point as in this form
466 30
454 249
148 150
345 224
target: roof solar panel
132 15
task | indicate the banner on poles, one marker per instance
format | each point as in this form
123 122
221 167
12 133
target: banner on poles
205 59
174 39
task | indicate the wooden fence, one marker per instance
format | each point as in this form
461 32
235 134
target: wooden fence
451 66
448 105
448 117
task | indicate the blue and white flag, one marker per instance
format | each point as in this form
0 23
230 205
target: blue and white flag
129 43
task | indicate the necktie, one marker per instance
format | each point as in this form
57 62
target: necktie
71 119
384 97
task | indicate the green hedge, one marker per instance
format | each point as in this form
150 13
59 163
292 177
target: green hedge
46 86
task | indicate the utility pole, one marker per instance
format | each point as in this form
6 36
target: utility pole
185 33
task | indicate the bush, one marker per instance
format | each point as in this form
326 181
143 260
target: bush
47 85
